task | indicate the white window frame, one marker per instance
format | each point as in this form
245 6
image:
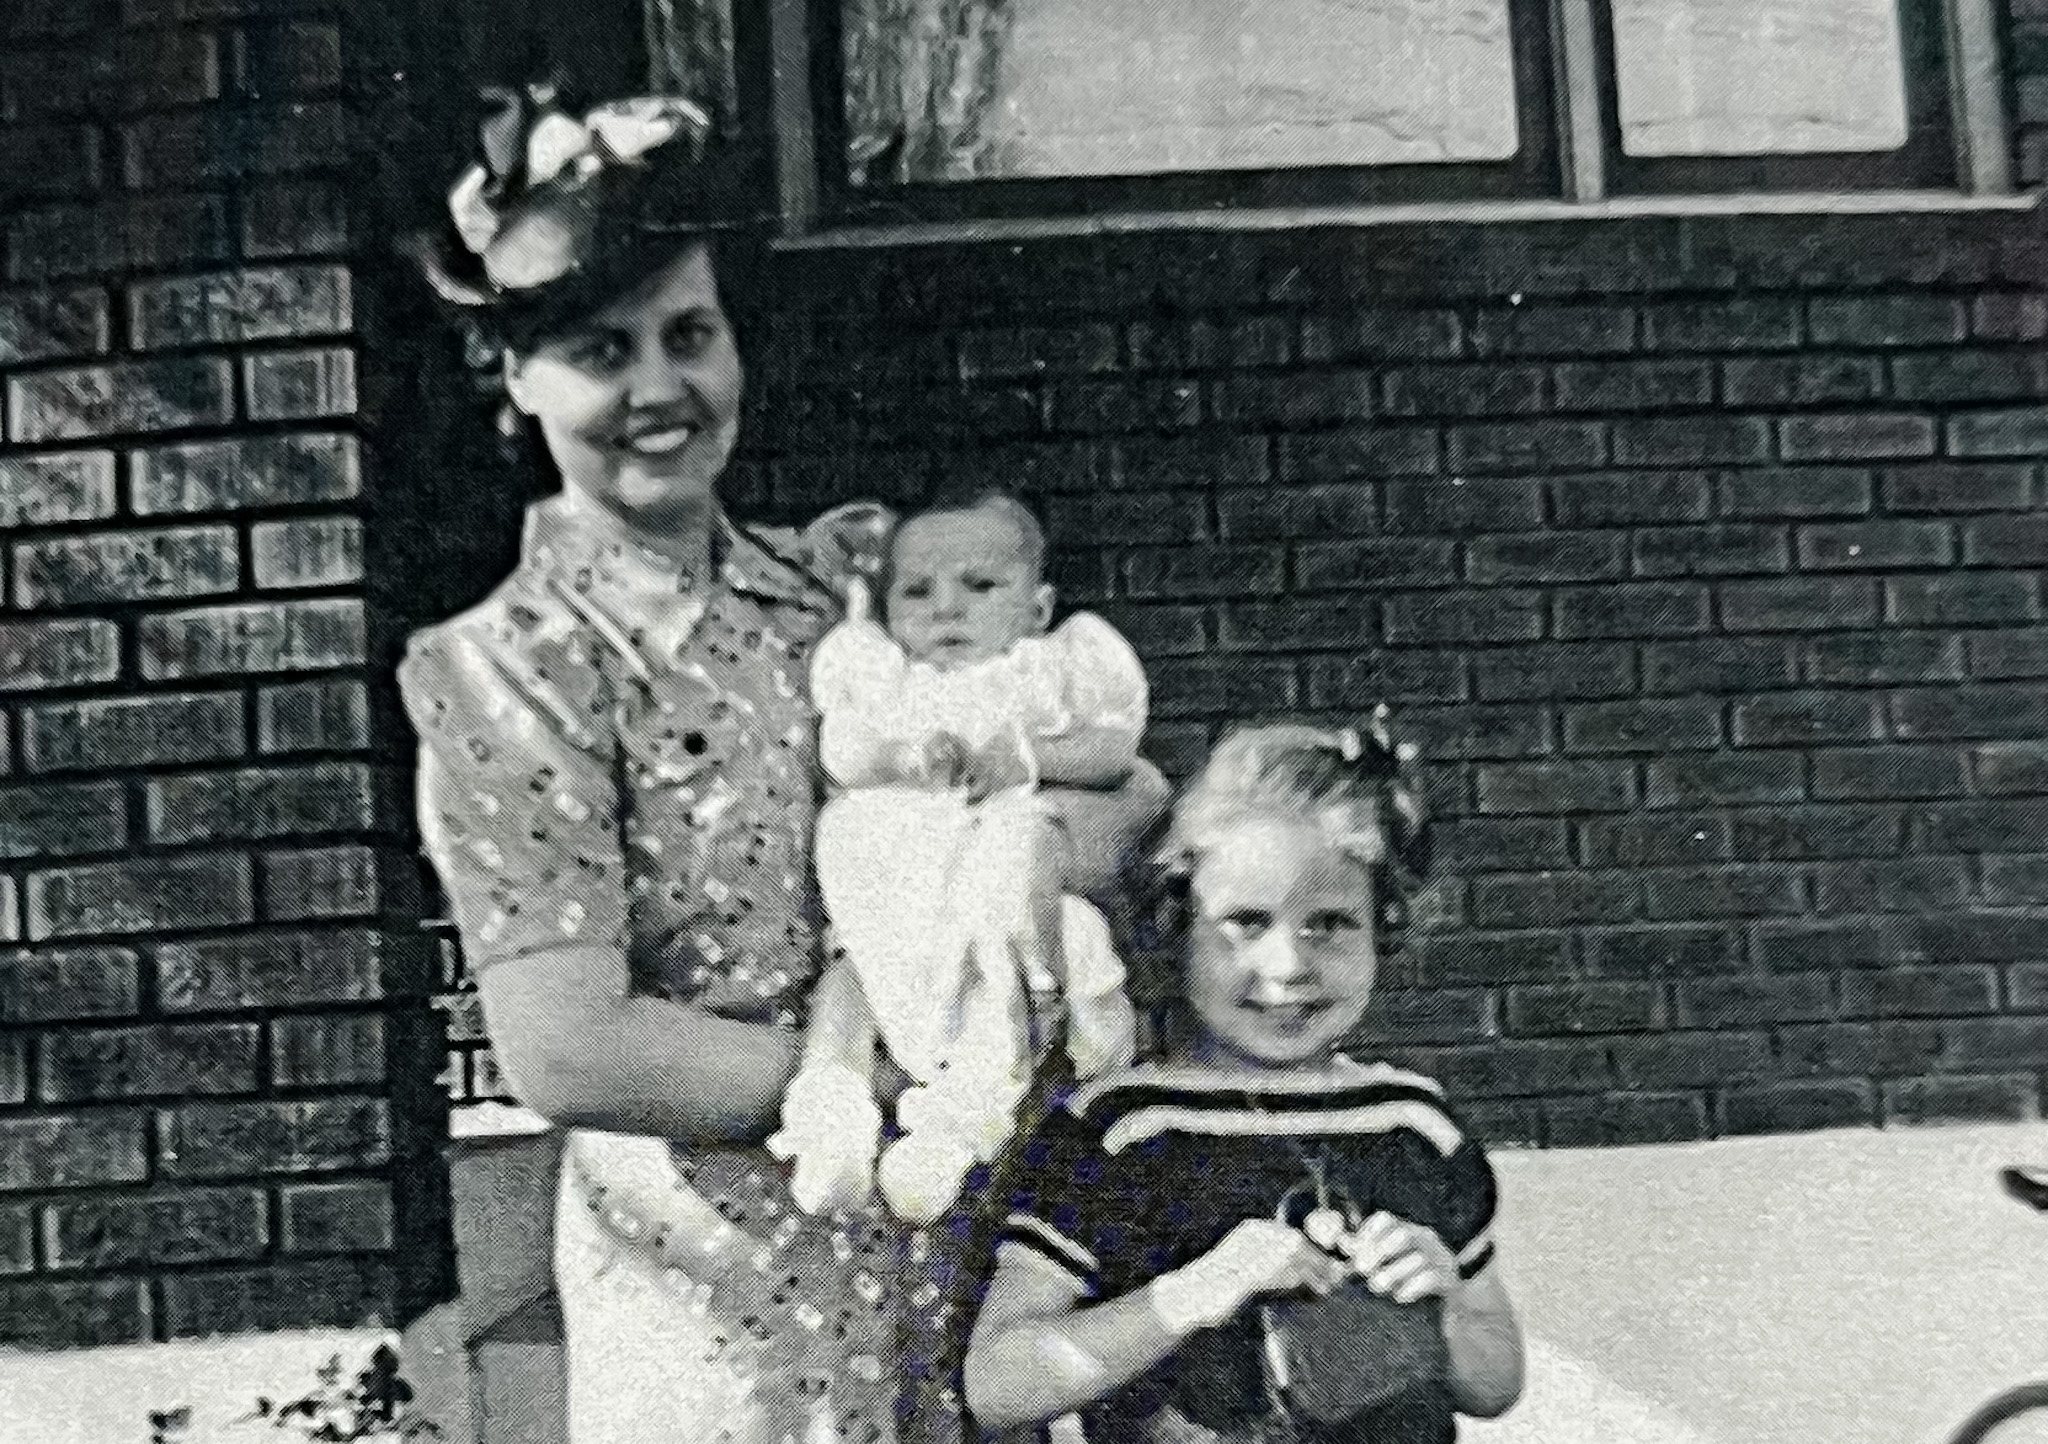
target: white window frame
1980 126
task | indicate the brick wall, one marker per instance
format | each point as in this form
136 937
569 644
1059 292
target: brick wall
1702 554
213 1049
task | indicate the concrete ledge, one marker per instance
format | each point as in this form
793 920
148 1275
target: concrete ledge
1857 1285
105 1396
1854 1285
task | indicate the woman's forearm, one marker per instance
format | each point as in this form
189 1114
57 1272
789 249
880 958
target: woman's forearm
1103 827
1085 756
1032 1369
1485 1342
659 1067
584 1056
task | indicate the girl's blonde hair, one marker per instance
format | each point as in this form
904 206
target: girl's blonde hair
1358 785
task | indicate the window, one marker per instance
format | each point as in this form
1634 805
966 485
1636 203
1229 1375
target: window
1082 88
1715 95
884 110
981 106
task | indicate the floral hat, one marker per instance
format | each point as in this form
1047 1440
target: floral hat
528 212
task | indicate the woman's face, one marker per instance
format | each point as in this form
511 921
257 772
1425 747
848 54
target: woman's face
640 404
1281 955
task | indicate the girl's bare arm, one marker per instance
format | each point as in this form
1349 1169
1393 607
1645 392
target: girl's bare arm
1035 1354
1485 1342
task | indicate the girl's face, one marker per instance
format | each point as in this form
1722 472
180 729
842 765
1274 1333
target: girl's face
640 404
1281 954
962 587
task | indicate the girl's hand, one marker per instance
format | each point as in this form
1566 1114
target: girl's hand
1402 1260
1259 1256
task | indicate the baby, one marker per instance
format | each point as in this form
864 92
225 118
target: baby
937 730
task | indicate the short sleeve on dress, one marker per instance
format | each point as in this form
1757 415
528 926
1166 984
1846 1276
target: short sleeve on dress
518 799
1064 1185
856 674
1470 1199
1105 681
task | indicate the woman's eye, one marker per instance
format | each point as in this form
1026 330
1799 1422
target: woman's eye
689 338
599 353
982 584
915 591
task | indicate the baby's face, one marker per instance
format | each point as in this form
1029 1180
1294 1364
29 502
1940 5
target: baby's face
962 587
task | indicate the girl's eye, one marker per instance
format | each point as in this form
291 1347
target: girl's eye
1329 923
1247 922
982 584
915 591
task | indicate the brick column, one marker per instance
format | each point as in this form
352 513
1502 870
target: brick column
216 1100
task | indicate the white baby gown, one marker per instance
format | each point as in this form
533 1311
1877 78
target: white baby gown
915 880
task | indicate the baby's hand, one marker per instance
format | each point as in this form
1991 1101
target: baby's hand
1401 1260
992 768
939 761
831 1127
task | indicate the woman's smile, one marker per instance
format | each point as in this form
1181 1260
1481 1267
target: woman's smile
661 438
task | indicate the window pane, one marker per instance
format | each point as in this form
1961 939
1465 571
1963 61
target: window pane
967 89
689 47
1758 77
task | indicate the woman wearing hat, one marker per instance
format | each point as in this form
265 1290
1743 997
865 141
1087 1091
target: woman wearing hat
617 784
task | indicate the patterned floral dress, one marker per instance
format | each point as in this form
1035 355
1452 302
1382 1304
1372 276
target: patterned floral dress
615 753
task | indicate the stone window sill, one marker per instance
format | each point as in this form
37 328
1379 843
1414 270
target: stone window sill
844 238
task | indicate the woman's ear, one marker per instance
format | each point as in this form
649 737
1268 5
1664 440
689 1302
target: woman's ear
515 383
1042 605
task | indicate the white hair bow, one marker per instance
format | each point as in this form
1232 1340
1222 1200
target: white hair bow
560 153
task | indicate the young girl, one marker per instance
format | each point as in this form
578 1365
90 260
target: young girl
938 729
1261 1239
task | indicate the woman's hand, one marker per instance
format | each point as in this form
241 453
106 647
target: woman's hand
1259 1256
1402 1260
1104 828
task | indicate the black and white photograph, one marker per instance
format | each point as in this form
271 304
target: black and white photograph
1023 721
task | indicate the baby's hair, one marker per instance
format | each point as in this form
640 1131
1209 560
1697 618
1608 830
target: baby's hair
1359 786
984 496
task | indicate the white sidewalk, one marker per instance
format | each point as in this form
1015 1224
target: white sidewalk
1856 1285
1805 1289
